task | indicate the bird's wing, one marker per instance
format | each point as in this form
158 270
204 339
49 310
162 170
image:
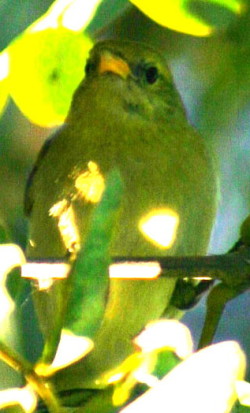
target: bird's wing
28 194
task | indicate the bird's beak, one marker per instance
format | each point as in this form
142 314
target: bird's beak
114 64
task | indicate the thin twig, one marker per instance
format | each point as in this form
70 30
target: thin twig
18 363
232 268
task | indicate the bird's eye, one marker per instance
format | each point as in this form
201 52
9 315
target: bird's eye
151 74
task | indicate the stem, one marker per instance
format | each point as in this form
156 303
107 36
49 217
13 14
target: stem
18 363
232 268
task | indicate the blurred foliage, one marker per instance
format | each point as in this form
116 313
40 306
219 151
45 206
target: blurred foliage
245 231
196 17
238 408
4 236
51 63
212 74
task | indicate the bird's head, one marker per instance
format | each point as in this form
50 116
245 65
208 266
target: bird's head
133 75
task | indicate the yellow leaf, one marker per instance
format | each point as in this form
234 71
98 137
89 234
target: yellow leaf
45 68
176 14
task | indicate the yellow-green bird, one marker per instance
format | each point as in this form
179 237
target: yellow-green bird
126 114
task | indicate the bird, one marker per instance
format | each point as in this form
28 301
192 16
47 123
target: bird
125 114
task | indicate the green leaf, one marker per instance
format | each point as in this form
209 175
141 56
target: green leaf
191 16
89 279
218 14
234 5
166 361
14 283
238 408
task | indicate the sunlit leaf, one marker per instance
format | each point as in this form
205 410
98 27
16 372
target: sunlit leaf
162 336
11 256
187 16
79 14
72 14
47 61
25 397
243 392
166 333
204 382
79 347
45 69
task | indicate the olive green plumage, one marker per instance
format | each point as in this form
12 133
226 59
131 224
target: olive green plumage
138 124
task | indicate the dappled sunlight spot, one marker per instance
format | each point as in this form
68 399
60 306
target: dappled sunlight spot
65 215
160 226
90 184
45 273
135 270
71 348
199 278
25 397
170 334
11 256
32 243
204 382
57 209
243 392
4 65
